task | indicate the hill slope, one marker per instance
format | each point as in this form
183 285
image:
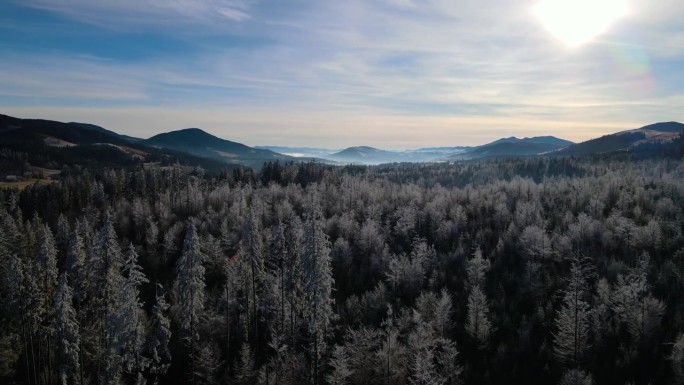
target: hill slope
52 144
200 143
93 127
653 134
507 147
364 154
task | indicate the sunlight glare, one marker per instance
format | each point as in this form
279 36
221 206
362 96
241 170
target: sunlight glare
576 22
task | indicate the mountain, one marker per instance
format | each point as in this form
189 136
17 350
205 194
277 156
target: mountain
200 143
548 140
55 145
512 146
443 150
657 134
298 152
665 127
15 129
93 127
366 155
500 148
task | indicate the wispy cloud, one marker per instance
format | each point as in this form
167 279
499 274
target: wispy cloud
446 71
146 12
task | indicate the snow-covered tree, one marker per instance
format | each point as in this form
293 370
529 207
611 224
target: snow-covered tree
67 333
189 288
294 273
477 268
318 282
44 269
576 377
535 243
339 367
252 251
432 360
160 336
676 358
246 373
571 339
208 363
478 325
131 317
633 303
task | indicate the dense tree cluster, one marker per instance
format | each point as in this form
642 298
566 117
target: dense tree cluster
531 271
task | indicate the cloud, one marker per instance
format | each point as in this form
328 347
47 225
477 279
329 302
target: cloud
145 13
383 70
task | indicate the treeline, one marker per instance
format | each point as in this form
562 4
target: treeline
531 271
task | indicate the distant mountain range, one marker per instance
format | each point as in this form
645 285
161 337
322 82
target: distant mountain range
300 152
51 143
365 155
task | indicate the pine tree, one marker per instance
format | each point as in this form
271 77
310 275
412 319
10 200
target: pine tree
477 320
573 319
131 317
576 377
161 335
75 261
422 368
44 271
62 232
246 370
294 274
104 284
633 303
477 269
318 282
21 298
392 352
478 325
339 364
189 289
676 359
252 250
67 333
208 363
44 267
443 312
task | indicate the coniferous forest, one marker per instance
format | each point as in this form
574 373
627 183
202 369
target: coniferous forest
520 271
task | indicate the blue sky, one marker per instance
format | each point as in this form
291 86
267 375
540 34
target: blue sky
386 73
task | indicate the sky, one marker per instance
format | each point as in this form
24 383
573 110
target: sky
386 73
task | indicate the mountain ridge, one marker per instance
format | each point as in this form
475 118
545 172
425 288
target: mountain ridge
626 140
198 142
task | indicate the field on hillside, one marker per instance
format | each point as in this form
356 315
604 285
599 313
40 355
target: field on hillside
26 182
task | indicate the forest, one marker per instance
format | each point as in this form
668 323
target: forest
519 271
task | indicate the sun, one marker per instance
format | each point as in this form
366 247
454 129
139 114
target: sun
576 22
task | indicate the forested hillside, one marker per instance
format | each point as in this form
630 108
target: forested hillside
533 271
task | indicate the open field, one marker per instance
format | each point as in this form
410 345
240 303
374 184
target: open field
26 182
